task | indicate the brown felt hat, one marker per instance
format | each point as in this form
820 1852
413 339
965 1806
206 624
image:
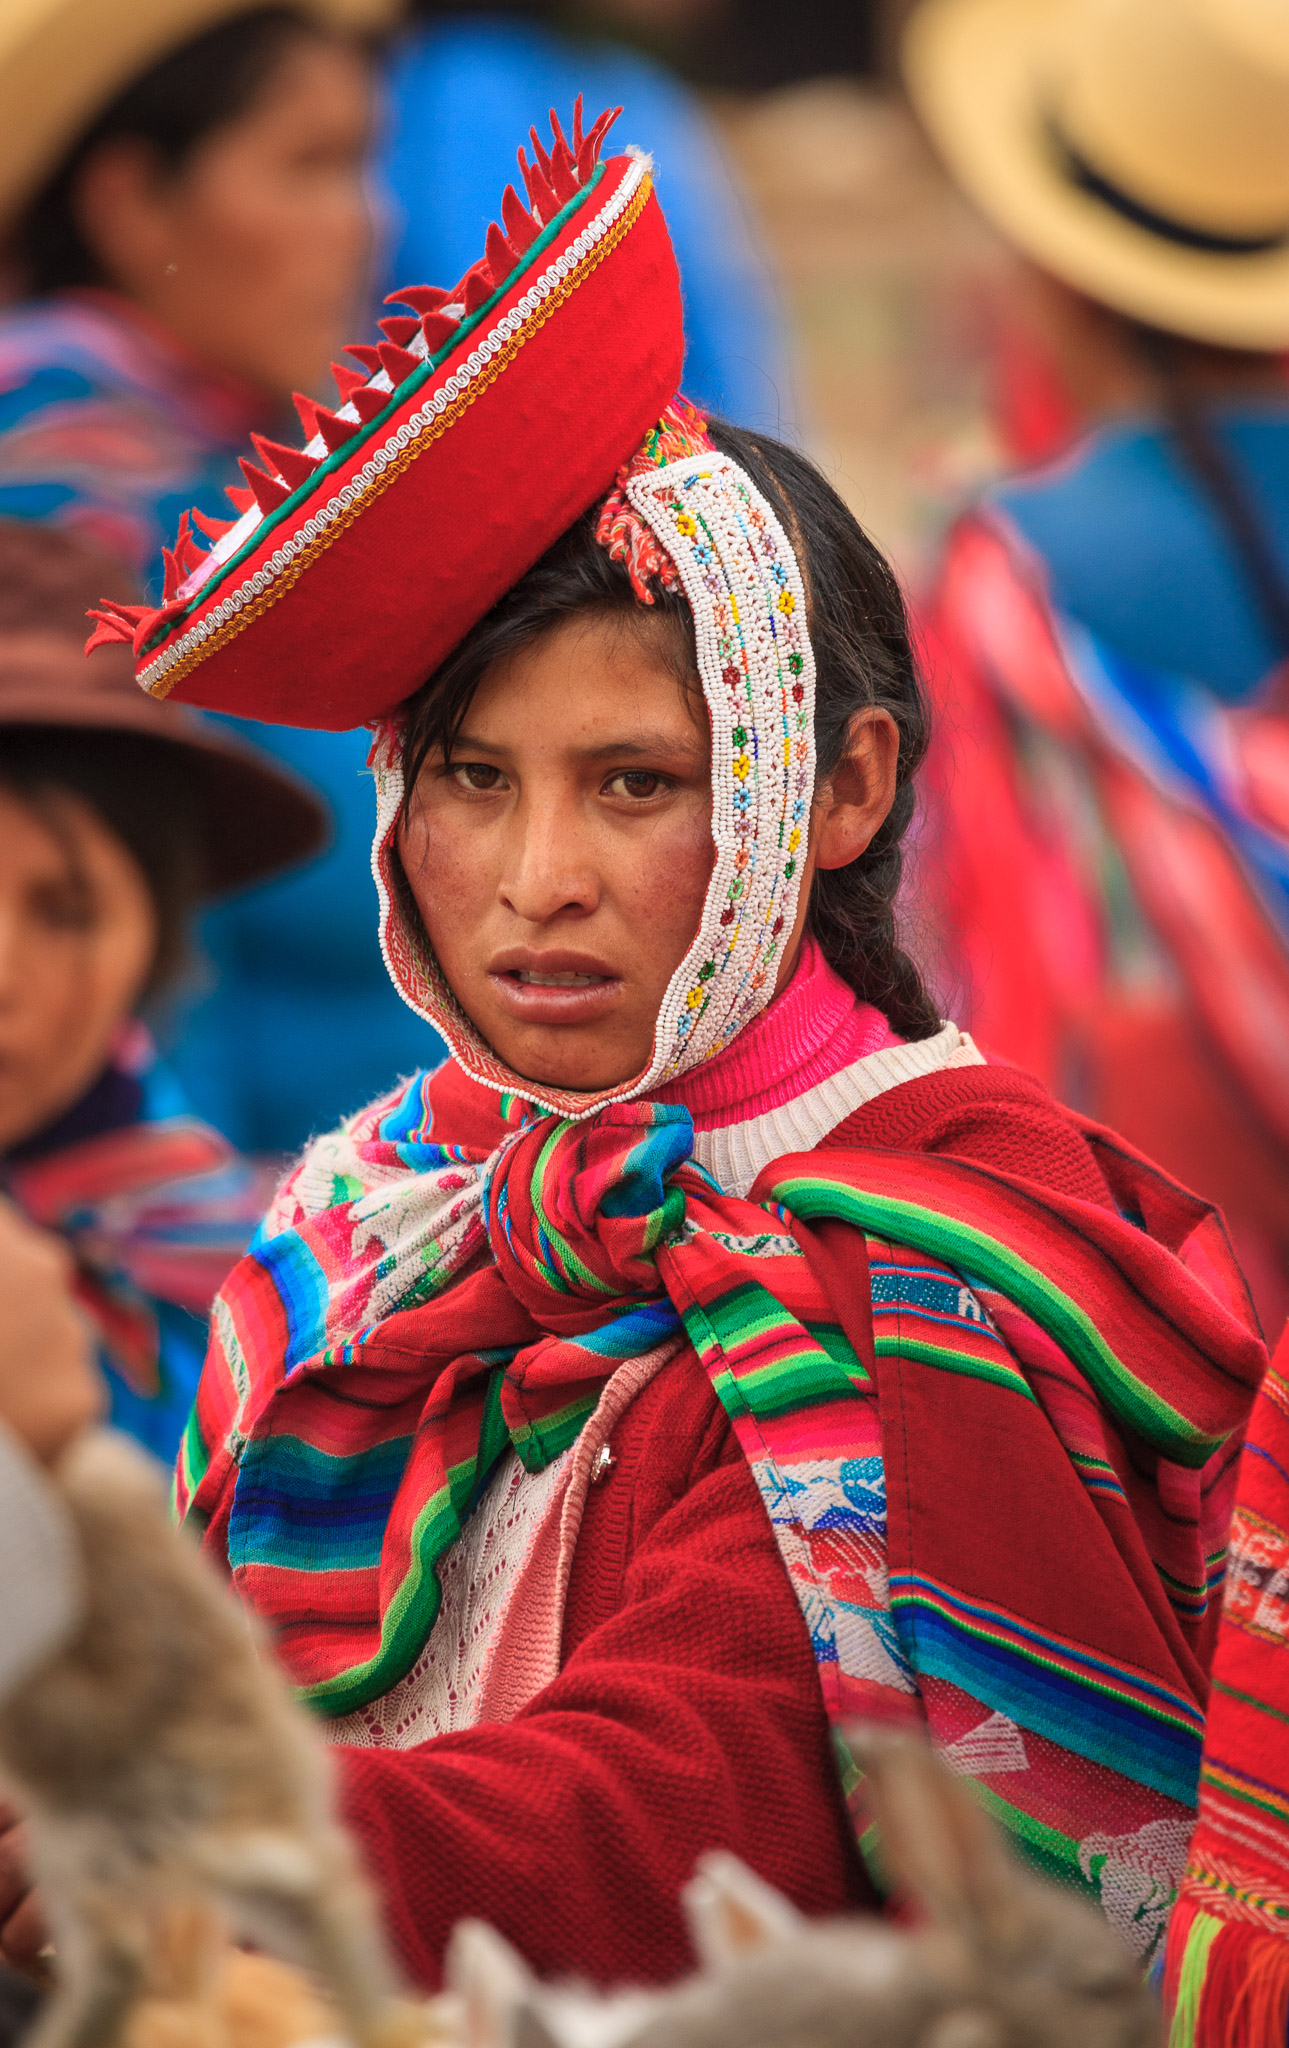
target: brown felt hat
1139 149
259 818
63 61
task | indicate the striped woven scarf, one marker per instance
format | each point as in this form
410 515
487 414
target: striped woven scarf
903 1344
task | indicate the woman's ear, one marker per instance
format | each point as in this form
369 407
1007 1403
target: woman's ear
853 804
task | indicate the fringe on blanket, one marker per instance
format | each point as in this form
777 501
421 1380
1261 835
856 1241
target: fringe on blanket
1227 1984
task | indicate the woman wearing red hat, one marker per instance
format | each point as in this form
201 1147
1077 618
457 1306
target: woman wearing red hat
714 1350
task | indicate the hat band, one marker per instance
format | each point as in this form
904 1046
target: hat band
1089 179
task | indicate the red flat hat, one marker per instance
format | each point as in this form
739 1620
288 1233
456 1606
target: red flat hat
486 422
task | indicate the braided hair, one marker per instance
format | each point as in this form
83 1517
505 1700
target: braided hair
863 659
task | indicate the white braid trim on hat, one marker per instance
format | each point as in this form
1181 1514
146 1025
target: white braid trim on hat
757 669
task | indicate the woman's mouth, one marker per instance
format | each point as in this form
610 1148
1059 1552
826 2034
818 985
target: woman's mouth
531 979
537 994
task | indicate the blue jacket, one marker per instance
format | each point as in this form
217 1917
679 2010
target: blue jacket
1135 552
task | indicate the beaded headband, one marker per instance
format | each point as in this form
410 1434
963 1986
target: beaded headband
715 532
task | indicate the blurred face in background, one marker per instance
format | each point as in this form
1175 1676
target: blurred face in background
254 249
78 934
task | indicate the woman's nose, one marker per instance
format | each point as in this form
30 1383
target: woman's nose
551 869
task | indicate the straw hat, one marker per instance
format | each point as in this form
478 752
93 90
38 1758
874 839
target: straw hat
1137 148
63 61
258 817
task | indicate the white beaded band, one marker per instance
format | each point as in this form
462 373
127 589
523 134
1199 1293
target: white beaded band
757 669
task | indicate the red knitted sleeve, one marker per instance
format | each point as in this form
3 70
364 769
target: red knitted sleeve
688 1715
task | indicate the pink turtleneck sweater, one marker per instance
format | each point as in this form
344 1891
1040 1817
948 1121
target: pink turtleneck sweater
813 1029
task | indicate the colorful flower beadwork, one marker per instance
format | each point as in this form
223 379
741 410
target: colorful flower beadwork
744 588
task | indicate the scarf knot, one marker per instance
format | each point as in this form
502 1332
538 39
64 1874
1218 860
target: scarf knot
575 1213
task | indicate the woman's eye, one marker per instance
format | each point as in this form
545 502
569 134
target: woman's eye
477 775
637 783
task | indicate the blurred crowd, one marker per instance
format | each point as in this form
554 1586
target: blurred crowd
1026 299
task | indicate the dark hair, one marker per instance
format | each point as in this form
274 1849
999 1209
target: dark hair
208 82
863 657
144 792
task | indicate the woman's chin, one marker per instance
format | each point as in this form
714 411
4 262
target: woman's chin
549 1059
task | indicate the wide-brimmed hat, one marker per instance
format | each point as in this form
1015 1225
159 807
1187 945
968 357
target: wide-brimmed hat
257 817
63 61
1139 149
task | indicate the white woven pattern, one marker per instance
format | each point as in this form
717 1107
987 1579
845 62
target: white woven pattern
441 1692
758 676
373 467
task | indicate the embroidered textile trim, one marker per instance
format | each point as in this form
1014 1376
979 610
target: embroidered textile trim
490 356
748 600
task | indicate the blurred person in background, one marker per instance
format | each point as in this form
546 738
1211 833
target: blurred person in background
1111 838
118 815
464 82
185 214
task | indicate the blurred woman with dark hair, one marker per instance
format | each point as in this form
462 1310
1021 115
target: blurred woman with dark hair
118 817
190 241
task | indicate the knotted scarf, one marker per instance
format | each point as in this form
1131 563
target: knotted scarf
452 1277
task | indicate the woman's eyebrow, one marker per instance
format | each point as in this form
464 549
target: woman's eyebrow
640 745
644 744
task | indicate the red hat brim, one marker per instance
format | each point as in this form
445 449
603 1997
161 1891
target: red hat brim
485 455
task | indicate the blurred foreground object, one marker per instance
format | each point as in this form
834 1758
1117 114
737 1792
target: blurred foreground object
49 1393
203 1994
987 1953
186 213
117 816
174 1795
1112 831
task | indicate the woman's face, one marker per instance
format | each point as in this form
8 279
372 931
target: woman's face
255 252
78 933
561 860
